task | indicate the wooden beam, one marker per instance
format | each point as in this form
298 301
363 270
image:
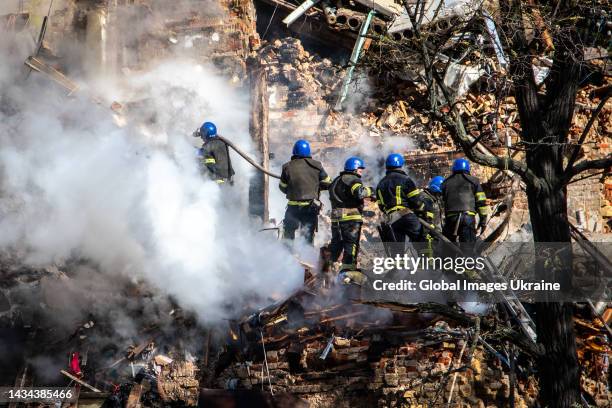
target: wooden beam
259 130
39 65
134 397
79 381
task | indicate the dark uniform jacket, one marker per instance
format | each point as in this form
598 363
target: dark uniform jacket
434 207
463 193
347 192
397 191
302 179
215 157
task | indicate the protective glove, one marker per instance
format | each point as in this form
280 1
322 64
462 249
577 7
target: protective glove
429 218
371 194
482 225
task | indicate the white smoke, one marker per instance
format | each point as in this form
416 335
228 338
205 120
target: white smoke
131 200
9 6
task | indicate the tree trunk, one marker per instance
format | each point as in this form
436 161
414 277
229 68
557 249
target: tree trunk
558 365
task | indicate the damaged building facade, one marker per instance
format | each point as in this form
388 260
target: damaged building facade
302 86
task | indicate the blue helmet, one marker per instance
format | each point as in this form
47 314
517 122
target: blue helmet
394 160
301 148
435 184
208 129
353 163
460 165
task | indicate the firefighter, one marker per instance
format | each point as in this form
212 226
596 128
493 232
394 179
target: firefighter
463 197
401 202
347 194
302 180
435 204
214 154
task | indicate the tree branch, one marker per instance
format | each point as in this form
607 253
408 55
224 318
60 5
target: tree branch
485 157
587 129
603 174
587 165
475 151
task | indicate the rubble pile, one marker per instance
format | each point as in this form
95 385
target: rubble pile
303 88
316 344
390 355
108 335
308 78
593 352
358 374
136 348
597 145
403 116
178 381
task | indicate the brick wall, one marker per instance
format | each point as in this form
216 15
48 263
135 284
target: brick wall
587 196
359 373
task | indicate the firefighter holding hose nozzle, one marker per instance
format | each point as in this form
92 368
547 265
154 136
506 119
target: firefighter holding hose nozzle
214 155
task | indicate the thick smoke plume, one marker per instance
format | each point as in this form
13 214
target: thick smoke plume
130 200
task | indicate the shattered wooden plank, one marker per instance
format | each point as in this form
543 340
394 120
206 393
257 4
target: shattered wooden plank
344 316
40 66
138 350
290 6
79 381
423 308
134 397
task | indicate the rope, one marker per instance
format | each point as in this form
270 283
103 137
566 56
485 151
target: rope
270 22
263 345
49 11
450 393
508 146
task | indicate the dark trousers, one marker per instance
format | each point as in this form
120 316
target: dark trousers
395 236
345 241
466 232
296 216
408 226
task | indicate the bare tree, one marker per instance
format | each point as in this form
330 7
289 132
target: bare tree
545 157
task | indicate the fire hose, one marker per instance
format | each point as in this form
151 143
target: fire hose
247 158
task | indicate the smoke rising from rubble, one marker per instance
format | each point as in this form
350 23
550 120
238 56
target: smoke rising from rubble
131 200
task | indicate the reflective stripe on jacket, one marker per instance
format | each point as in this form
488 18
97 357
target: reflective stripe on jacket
397 191
347 193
